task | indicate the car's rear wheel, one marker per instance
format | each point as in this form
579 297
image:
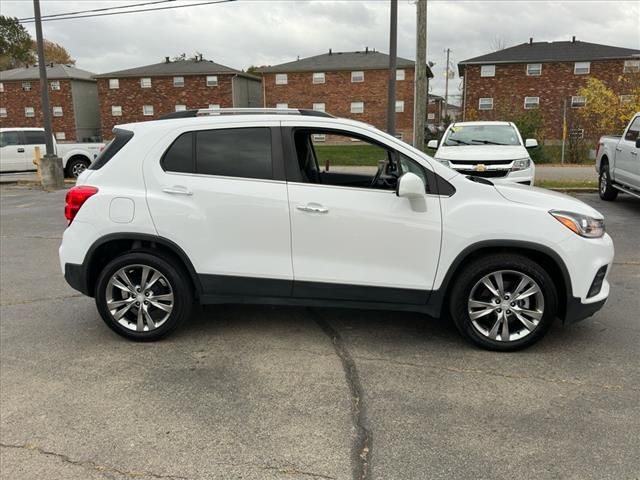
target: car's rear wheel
143 297
76 166
606 190
504 302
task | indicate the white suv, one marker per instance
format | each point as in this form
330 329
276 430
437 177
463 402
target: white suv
234 207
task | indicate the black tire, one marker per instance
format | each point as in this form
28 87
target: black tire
174 276
516 265
77 165
605 189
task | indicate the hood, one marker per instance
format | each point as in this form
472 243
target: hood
482 152
546 199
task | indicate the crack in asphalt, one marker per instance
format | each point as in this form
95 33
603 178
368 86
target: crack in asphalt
45 299
91 465
362 445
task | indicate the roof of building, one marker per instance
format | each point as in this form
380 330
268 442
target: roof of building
570 51
55 71
336 61
177 67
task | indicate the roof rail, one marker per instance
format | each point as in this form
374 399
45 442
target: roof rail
245 111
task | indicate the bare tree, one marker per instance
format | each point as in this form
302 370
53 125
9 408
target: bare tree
498 43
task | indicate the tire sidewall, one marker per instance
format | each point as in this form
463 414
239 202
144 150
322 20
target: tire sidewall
73 163
180 285
604 180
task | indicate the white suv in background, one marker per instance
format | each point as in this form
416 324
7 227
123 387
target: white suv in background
233 207
493 150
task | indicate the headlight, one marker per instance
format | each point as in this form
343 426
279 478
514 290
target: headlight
446 163
521 164
583 225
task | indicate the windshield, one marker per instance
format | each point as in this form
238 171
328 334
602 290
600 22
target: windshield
481 135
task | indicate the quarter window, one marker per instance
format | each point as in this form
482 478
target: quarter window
145 83
318 77
582 68
534 69
212 81
57 111
179 156
357 107
631 66
577 101
178 81
114 83
531 102
488 71
485 104
29 112
281 79
357 77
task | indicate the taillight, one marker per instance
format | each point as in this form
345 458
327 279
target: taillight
76 196
598 149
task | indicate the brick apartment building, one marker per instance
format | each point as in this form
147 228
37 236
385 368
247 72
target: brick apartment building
346 84
148 92
543 75
73 98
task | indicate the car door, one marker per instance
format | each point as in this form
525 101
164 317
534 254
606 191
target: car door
220 195
357 243
12 157
627 164
33 139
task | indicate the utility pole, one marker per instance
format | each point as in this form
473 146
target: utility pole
52 176
422 81
446 86
393 54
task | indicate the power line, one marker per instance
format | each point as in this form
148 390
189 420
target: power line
131 11
95 10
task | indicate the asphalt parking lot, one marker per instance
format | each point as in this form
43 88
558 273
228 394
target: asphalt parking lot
253 392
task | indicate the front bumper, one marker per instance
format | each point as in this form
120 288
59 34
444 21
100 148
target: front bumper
576 310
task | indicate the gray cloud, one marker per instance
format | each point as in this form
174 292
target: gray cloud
259 32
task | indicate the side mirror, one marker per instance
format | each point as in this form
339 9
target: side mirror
410 186
638 142
432 144
531 143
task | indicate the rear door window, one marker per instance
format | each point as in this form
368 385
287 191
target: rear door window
34 137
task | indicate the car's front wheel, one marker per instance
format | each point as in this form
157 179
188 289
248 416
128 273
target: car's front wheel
143 297
503 302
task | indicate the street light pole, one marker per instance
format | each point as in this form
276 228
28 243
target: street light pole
422 81
393 54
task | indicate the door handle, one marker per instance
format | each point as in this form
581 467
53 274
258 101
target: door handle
618 149
177 190
21 150
312 208
633 152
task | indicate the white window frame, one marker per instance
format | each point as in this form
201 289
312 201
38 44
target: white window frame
212 80
532 104
29 112
116 111
57 111
575 103
431 116
533 73
55 84
631 66
399 135
145 82
400 74
1 87
357 76
318 77
147 110
576 133
626 98
282 105
319 137
399 106
281 79
61 136
582 66
26 86
214 106
357 107
3 112
487 70
180 107
319 107
480 107
114 83
178 82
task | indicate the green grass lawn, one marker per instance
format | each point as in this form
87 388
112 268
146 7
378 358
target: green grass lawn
359 155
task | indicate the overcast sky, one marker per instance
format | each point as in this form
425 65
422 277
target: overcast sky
262 32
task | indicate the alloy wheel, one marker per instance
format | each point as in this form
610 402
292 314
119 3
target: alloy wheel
77 169
604 179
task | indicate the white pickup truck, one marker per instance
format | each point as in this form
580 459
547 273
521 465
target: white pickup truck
17 146
618 162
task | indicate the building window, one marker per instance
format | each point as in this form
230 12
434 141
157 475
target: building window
576 133
578 101
318 107
214 106
145 83
57 111
485 104
61 136
399 135
488 71
29 112
116 110
26 86
181 108
1 87
582 68
3 112
282 105
114 83
400 74
431 116
319 137
626 98
631 66
534 69
212 80
357 107
147 110
357 77
318 77
399 106
281 79
531 102
55 85
178 81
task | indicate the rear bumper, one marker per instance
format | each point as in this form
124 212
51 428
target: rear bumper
76 277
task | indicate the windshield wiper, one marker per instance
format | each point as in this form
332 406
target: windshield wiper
460 142
488 142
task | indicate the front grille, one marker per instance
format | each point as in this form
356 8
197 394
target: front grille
596 285
485 174
500 163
